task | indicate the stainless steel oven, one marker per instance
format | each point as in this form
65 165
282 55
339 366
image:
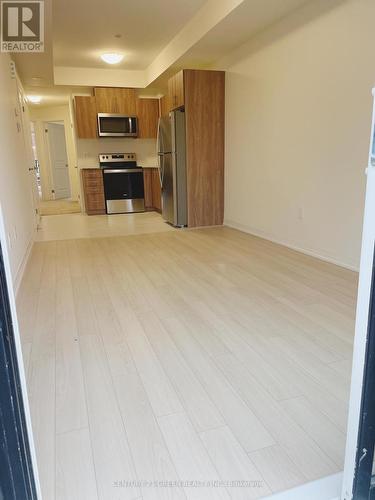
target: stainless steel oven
123 183
116 125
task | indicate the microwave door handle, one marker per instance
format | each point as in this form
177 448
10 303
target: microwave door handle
130 125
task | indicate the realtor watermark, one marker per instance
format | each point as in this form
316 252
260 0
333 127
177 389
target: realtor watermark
214 483
22 26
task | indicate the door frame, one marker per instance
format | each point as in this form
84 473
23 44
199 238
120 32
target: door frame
363 332
15 419
366 434
26 133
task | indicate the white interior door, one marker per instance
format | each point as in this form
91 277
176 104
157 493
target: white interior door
22 110
357 457
59 160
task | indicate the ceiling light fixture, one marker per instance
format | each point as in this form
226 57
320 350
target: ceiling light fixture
112 58
35 99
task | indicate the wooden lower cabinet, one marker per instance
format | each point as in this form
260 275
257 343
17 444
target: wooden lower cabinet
93 190
147 180
152 189
156 189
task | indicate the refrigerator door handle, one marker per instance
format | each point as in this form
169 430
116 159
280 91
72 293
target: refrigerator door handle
158 153
158 138
161 169
174 187
159 166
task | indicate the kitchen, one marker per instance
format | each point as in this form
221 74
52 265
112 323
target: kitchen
166 166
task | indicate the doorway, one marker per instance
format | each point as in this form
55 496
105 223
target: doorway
17 477
36 161
58 159
18 468
53 172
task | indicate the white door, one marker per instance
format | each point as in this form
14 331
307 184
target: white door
59 160
359 459
22 110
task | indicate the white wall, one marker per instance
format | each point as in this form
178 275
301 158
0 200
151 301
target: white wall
15 187
298 117
40 115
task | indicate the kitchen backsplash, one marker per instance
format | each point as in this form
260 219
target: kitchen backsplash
88 150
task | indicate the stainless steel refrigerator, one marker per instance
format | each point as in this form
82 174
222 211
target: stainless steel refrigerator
171 146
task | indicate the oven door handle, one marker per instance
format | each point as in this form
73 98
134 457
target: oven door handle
122 171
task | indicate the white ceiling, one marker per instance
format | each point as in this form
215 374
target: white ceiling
157 37
242 24
55 95
84 29
37 69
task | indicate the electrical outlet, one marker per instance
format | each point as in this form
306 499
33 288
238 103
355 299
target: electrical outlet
12 70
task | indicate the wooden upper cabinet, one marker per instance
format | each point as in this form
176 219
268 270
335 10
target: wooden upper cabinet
179 89
148 115
176 95
86 117
171 93
127 102
115 100
164 105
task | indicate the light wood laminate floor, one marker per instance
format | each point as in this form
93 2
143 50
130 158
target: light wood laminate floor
71 226
59 207
205 355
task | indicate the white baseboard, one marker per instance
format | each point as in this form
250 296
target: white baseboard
22 267
328 488
268 237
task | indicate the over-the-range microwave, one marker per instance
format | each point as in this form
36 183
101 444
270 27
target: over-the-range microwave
117 125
